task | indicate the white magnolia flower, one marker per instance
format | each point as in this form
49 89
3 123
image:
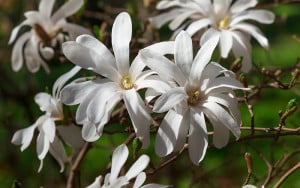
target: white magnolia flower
113 180
224 19
36 45
204 90
46 140
97 98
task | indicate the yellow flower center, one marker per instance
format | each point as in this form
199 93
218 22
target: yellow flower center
126 83
224 23
194 97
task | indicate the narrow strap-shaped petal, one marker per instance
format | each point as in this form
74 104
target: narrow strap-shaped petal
89 59
241 5
45 7
68 9
119 158
170 99
255 32
42 145
96 183
221 6
202 58
16 30
241 48
160 20
181 132
163 66
261 16
197 26
140 164
33 59
167 4
220 115
175 23
57 150
44 101
198 139
60 82
47 126
121 36
225 43
75 30
140 179
89 132
139 114
184 52
23 137
224 82
166 137
17 58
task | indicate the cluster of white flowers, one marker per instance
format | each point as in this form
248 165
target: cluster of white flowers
35 46
193 91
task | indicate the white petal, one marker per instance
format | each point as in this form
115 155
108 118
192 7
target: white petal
261 16
42 145
170 99
16 30
224 82
23 137
75 30
203 57
218 114
45 7
249 186
46 52
154 185
166 136
181 132
96 183
139 115
225 43
228 102
161 19
71 135
221 6
68 9
89 132
197 26
164 4
140 179
60 82
163 66
97 46
197 140
96 108
255 32
57 150
32 57
153 82
241 48
75 93
181 18
48 128
184 52
221 134
44 101
121 36
87 58
140 164
163 48
17 57
209 34
241 5
119 158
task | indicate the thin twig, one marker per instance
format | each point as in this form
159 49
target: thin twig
287 174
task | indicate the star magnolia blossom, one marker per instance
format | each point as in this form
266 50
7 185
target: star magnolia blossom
203 90
223 19
46 140
98 97
36 45
119 158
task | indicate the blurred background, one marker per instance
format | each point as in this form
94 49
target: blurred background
221 167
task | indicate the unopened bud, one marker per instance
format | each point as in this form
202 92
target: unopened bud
248 159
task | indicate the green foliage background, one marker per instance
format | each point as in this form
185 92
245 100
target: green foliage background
220 168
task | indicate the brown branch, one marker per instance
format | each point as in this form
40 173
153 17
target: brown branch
287 174
74 172
169 161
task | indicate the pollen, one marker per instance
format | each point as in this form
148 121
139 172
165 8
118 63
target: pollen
194 97
127 83
224 23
